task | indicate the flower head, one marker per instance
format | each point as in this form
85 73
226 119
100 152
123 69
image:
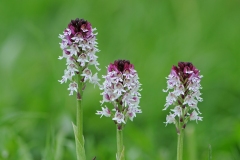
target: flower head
121 88
183 85
78 43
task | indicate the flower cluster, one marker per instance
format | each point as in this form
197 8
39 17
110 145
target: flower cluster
79 47
121 88
183 84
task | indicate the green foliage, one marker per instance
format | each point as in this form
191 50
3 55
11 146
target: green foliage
36 111
79 147
209 152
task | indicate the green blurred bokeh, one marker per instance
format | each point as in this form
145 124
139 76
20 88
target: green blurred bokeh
36 111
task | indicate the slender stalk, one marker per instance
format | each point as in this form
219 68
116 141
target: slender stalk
79 112
180 144
80 121
180 132
120 147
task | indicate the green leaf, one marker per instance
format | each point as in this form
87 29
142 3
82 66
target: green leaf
121 157
122 154
79 147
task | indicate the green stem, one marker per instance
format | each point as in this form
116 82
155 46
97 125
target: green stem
80 121
79 111
180 144
120 147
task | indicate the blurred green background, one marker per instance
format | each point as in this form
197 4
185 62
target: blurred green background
36 111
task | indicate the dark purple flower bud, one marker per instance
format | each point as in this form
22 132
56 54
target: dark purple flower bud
80 27
186 69
122 65
184 126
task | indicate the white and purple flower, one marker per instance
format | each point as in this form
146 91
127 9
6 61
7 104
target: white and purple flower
183 85
121 88
79 48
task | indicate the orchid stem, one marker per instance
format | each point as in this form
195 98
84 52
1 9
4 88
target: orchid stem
120 147
180 144
80 119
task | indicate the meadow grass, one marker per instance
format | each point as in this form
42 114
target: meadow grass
36 111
